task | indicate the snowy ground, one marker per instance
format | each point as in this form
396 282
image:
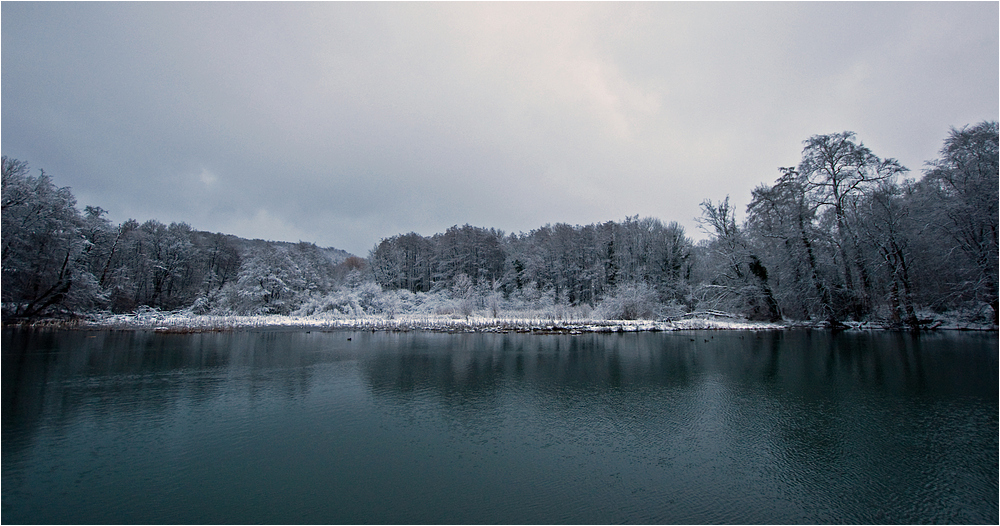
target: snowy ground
184 322
187 322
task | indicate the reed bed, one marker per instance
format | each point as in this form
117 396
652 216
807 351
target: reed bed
186 322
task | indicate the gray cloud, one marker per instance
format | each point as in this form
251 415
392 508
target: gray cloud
342 123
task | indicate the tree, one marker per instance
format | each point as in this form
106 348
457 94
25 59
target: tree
886 225
223 261
957 199
836 170
463 291
782 218
267 282
741 279
44 254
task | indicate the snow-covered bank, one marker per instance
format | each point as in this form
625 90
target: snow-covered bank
181 322
188 323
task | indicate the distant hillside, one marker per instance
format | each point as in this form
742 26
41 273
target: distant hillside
335 255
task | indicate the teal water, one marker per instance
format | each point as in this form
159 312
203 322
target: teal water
356 427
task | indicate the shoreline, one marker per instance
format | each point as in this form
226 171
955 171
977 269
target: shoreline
183 323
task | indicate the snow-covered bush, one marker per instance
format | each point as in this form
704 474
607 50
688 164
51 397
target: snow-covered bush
629 301
202 305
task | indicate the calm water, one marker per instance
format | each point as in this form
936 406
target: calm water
697 427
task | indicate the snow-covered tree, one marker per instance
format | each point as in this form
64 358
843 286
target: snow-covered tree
45 252
957 200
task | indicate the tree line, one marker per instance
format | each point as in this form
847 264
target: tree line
58 261
844 235
573 265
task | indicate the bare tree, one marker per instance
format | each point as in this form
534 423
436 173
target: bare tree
836 170
958 200
782 217
884 222
740 276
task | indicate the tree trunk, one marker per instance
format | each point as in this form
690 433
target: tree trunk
821 290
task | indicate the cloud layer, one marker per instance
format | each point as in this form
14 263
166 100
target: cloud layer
342 123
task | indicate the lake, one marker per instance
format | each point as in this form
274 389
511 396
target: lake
418 427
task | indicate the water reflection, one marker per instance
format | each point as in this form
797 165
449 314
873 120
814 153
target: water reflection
810 363
798 426
101 373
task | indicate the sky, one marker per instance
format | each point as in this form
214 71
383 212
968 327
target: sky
345 123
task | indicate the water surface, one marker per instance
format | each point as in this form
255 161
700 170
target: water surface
358 427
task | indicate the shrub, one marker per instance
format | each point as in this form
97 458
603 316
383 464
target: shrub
629 301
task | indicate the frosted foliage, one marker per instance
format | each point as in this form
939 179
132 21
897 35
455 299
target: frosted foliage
630 301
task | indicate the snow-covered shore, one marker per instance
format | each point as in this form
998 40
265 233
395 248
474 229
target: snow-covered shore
169 323
183 322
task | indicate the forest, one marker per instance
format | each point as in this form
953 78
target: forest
844 235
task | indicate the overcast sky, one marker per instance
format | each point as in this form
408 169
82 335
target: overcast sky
343 123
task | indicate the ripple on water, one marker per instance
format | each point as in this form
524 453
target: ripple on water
423 428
